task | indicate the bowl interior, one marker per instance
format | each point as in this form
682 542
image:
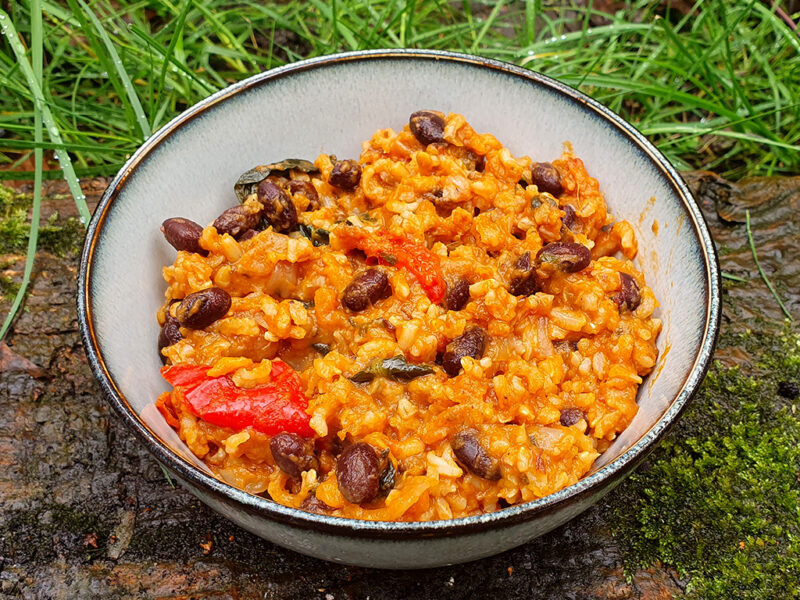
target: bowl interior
189 169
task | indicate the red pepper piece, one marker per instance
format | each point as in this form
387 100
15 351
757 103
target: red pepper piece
390 249
277 406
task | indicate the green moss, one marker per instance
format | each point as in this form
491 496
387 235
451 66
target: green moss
13 221
719 499
58 238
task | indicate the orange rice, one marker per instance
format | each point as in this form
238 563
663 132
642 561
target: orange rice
570 345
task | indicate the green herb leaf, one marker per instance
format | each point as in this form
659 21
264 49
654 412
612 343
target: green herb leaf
395 368
388 258
321 348
248 182
317 235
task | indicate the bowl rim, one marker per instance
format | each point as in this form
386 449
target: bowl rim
596 482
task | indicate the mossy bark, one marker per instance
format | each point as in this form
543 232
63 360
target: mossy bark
85 511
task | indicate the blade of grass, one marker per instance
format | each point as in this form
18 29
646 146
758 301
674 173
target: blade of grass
7 26
116 63
33 236
733 277
760 270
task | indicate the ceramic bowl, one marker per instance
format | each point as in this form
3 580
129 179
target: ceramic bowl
330 105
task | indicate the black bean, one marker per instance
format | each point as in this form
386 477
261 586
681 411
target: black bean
307 189
570 416
201 309
628 295
473 456
570 219
547 178
183 234
315 505
788 389
170 334
470 343
569 257
358 473
346 174
279 210
523 278
293 454
248 235
457 295
236 221
427 126
365 289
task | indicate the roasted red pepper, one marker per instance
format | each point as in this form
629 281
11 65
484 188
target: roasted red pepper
277 406
390 249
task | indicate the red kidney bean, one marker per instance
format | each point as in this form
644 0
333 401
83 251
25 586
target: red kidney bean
471 343
170 334
628 295
471 455
523 280
346 174
570 416
315 505
201 309
183 234
427 126
570 219
279 210
248 235
366 288
457 295
358 472
236 221
293 454
547 178
307 189
569 257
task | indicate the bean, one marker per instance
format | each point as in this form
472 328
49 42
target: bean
248 235
236 221
570 219
547 178
279 210
183 234
365 289
471 343
473 456
570 416
346 174
200 309
358 473
628 295
457 295
523 277
569 257
307 189
427 126
293 454
170 334
315 505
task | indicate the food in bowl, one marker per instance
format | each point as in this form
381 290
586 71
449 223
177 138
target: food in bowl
437 330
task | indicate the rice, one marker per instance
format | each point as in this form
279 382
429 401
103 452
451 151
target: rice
550 379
